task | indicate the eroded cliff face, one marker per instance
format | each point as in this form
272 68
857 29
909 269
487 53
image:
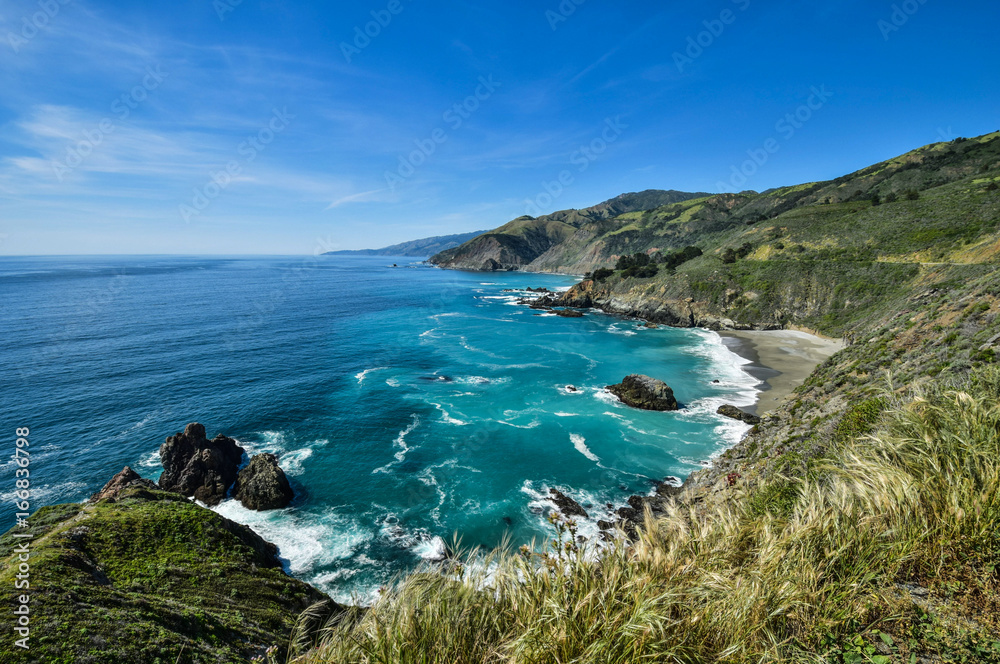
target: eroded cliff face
659 304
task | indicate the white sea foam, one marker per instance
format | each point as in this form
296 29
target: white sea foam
151 460
364 374
531 425
602 394
48 494
433 549
580 443
614 329
565 414
446 417
400 444
741 387
304 541
292 462
392 382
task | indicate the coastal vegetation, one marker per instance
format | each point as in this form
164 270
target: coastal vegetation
152 578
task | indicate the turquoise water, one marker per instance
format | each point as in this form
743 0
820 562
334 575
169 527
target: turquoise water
406 404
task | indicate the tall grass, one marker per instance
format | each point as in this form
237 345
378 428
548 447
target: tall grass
917 501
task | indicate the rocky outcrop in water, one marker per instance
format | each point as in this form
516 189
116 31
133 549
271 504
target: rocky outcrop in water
738 414
566 505
126 479
643 392
197 467
262 485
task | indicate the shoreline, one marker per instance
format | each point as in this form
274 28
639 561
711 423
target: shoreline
781 359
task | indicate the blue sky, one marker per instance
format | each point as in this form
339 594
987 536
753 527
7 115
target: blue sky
268 127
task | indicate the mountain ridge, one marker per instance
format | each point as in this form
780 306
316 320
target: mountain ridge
414 248
526 241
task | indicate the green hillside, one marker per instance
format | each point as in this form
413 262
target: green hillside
526 240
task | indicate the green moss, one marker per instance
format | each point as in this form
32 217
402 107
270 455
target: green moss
153 577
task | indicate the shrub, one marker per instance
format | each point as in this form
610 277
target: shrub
912 195
601 274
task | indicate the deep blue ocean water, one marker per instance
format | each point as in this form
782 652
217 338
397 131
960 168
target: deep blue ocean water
406 404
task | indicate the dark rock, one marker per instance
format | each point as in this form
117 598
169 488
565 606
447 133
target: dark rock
538 290
571 388
126 479
262 485
644 392
197 467
566 505
569 313
628 514
716 381
669 488
605 525
737 414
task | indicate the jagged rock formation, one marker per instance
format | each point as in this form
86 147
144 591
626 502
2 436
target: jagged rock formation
262 485
196 467
124 480
566 505
643 392
735 413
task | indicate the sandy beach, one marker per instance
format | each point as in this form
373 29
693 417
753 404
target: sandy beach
782 359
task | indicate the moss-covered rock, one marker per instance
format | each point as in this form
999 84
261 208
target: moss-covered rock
150 577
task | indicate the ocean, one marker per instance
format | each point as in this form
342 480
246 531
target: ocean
406 404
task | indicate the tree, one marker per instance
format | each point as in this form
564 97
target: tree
891 197
876 200
912 195
601 274
729 256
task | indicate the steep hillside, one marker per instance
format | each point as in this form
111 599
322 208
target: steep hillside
825 256
523 242
415 248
